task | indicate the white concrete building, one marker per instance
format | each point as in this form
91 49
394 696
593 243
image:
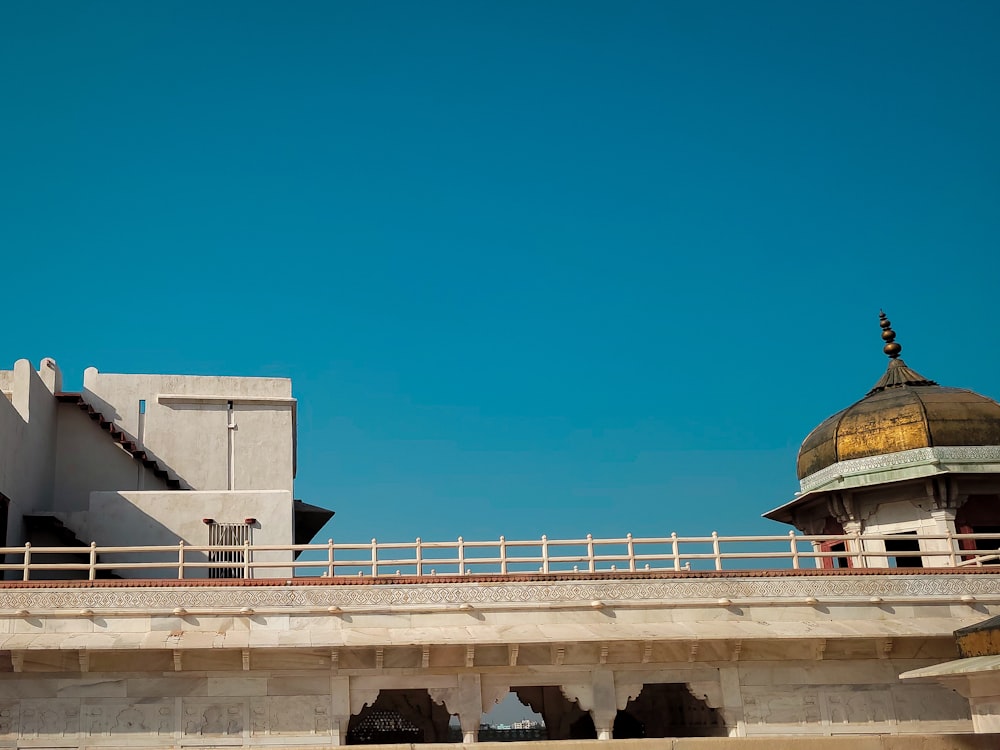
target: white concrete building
150 460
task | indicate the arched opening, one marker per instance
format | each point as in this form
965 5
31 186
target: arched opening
980 514
401 716
563 719
668 710
511 721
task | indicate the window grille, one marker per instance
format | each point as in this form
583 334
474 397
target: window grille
229 535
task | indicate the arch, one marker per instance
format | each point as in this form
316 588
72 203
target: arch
400 716
668 710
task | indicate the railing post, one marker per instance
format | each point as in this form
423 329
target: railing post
545 553
180 559
795 549
675 547
27 561
590 553
374 557
329 558
952 558
631 552
716 551
419 556
859 548
503 555
247 569
461 556
92 571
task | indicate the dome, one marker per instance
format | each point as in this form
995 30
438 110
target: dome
904 410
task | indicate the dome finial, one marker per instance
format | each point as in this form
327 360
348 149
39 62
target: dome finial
891 348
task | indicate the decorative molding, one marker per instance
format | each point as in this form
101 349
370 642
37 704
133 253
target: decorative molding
673 591
819 649
361 697
625 693
582 694
445 696
974 454
710 692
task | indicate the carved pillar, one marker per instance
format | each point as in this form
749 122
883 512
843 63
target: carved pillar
465 701
604 706
842 507
598 698
470 706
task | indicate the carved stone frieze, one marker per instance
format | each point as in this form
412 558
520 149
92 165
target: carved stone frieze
518 593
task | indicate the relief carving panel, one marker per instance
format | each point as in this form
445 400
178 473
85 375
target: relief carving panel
9 720
861 709
775 707
290 715
119 719
49 718
213 719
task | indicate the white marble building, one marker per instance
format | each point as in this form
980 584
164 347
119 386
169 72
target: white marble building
800 637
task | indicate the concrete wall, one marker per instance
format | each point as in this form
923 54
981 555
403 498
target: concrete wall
187 425
164 518
89 460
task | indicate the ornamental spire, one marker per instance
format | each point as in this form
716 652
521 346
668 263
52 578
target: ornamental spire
891 348
897 373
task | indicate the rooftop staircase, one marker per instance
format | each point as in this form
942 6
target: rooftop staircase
120 437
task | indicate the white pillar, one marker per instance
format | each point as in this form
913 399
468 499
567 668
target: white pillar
340 704
605 706
470 706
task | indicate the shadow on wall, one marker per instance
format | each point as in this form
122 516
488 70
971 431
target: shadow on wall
115 521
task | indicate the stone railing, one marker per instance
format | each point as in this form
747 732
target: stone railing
501 557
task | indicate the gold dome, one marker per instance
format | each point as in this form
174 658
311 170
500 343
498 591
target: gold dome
903 411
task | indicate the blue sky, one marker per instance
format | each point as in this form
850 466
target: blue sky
534 267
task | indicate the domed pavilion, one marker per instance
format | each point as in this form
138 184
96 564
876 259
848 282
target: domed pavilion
911 457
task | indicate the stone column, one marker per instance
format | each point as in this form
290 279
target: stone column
862 558
605 706
470 706
944 523
598 698
340 702
465 700
732 702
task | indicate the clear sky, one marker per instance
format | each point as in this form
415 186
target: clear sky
533 267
